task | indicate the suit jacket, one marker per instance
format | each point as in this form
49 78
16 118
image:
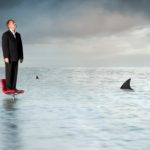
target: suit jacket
11 46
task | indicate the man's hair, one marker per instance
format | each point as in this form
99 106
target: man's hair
9 21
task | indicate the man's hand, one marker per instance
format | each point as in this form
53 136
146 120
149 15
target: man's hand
6 60
21 60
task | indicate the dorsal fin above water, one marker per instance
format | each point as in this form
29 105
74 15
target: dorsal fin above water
37 77
126 85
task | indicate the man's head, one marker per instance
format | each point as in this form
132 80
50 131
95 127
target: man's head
11 24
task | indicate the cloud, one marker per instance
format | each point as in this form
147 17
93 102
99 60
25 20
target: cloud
74 19
5 5
71 20
82 31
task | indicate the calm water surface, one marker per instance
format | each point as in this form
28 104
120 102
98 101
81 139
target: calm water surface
77 109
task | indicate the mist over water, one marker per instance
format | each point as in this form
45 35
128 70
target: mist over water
77 108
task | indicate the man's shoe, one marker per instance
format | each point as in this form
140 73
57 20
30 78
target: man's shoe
18 91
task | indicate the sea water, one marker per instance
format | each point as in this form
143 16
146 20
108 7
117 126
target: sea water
77 108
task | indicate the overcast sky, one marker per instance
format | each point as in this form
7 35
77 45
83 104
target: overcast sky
81 32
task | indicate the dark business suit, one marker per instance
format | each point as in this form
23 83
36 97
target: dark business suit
13 50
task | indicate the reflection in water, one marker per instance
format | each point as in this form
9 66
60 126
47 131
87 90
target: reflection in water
9 104
9 126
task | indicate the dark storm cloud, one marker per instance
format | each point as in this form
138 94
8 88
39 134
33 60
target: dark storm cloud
135 6
9 4
73 18
128 6
113 5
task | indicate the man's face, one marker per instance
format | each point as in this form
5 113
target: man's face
12 25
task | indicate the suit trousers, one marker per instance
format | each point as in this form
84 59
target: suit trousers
11 71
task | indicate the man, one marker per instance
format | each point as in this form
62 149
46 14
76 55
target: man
12 53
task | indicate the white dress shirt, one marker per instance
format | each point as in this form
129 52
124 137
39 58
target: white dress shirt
13 32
